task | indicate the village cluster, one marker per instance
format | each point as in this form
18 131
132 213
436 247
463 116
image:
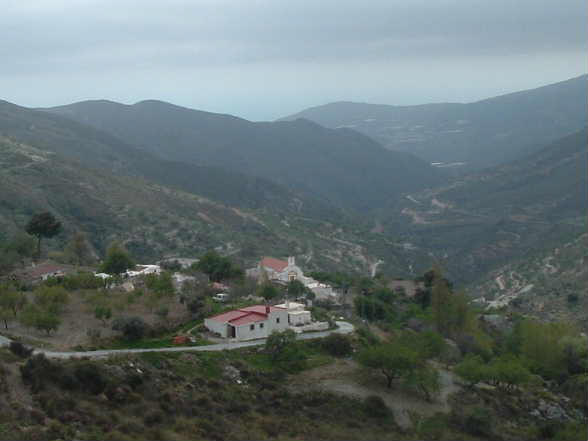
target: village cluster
251 322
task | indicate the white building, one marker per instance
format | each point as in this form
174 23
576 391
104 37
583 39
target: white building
297 315
322 291
141 270
286 271
249 323
281 270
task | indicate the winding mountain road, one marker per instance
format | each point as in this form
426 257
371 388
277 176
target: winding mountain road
343 328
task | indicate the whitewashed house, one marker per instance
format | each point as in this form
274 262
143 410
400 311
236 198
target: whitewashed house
281 270
141 270
322 291
297 315
285 271
249 323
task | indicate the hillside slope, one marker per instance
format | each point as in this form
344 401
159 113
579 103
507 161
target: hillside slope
100 150
483 133
483 220
551 284
155 221
341 167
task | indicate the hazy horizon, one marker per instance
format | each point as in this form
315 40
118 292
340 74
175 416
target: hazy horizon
266 59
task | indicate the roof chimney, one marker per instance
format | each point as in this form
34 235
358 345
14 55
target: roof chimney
291 261
267 309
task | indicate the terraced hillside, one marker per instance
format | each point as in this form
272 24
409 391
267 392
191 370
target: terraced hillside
155 221
552 284
482 221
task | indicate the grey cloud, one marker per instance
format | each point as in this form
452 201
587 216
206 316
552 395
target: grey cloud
226 32
133 49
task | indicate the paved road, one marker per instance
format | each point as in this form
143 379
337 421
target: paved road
4 341
343 328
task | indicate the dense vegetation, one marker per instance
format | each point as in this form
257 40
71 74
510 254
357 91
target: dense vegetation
411 345
256 393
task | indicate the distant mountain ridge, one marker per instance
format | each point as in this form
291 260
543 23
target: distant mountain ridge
98 149
484 133
340 167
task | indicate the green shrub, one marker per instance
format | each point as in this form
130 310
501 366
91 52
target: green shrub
153 417
573 298
90 377
571 431
479 422
366 336
285 352
20 350
38 371
132 328
433 428
338 345
375 406
82 281
473 370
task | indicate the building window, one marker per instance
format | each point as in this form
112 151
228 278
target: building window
277 319
251 327
260 325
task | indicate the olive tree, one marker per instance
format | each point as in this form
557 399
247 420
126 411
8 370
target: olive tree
43 225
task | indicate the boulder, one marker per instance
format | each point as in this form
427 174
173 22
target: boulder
232 373
552 411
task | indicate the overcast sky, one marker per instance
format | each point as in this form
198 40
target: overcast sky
267 59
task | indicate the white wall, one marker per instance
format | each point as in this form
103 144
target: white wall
282 314
244 332
299 318
217 327
260 330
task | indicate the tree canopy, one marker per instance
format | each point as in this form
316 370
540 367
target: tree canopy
117 260
393 360
78 250
43 225
217 267
268 291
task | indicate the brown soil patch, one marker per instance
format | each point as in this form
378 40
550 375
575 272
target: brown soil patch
78 317
345 377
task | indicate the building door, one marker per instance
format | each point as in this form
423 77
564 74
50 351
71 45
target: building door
231 331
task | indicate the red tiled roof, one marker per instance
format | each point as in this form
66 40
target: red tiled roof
260 309
275 264
41 270
220 286
250 314
228 316
252 317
